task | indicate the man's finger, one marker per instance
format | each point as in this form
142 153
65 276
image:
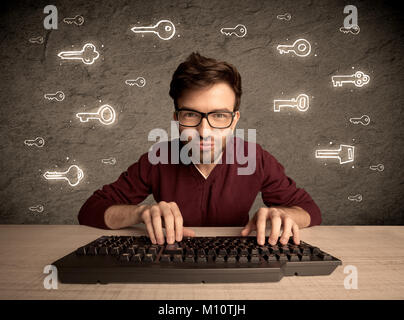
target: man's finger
296 233
168 222
149 227
261 225
178 221
188 232
157 226
250 226
276 223
287 230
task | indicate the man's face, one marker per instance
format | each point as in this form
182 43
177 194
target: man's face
217 97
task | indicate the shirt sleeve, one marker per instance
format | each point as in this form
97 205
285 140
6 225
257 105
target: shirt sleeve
132 187
279 189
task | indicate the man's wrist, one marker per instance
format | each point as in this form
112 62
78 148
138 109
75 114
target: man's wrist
137 213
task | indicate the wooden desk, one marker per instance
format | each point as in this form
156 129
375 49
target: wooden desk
376 251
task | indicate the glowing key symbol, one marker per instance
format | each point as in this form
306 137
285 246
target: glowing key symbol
359 79
354 29
301 48
39 142
58 96
357 197
36 40
87 55
239 30
73 175
345 154
364 120
378 167
164 29
109 161
139 81
105 114
287 16
37 208
301 102
77 20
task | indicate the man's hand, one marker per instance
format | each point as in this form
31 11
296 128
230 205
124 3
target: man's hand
278 216
151 216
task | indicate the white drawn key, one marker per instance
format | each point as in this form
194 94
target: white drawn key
38 40
109 161
105 114
139 81
164 29
364 120
77 20
359 79
378 167
357 197
301 102
239 30
38 142
87 55
301 48
287 16
73 175
58 96
354 29
344 154
37 208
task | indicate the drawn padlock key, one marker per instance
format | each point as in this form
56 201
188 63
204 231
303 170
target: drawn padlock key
77 20
105 114
378 167
39 142
301 102
357 197
353 29
364 120
239 30
73 175
164 29
287 16
87 55
58 96
301 48
139 81
359 79
344 154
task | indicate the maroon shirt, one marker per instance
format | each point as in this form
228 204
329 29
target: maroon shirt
223 199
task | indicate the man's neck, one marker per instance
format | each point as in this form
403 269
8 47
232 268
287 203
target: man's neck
206 168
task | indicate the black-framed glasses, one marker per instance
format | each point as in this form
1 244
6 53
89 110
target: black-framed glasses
216 119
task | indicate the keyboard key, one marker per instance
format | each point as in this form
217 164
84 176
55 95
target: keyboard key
231 259
177 258
81 251
304 257
148 257
189 258
281 257
115 250
271 258
243 259
124 257
255 258
220 259
293 257
202 258
136 257
165 258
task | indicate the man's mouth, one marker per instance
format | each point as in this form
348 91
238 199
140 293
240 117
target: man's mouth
206 145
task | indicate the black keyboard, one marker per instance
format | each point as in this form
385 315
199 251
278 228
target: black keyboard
134 259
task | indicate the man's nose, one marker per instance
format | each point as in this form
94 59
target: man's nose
204 128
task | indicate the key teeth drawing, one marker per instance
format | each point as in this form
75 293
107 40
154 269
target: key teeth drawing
357 197
239 30
301 48
166 32
81 55
73 170
353 30
301 102
139 81
344 154
99 115
38 142
359 79
77 20
364 120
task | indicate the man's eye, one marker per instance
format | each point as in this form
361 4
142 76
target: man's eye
190 114
219 115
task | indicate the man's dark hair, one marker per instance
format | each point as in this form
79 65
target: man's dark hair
198 72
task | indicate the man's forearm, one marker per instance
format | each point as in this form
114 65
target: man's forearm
300 216
121 216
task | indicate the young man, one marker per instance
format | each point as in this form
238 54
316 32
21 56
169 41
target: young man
206 96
